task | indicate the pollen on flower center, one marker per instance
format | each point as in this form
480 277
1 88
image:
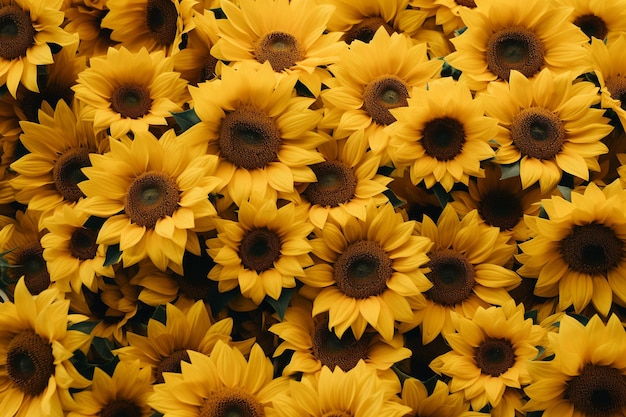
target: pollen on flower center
207 71
494 356
443 138
161 17
364 31
538 133
30 362
592 25
467 3
336 184
171 364
339 413
383 94
514 48
17 33
83 244
617 88
121 408
151 196
281 49
259 248
131 101
501 208
363 269
597 391
249 138
33 267
592 249
331 351
67 173
231 402
452 276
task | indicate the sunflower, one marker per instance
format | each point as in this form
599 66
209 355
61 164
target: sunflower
442 135
59 147
468 262
577 253
153 194
500 202
264 135
221 384
346 182
20 237
502 36
447 12
85 19
73 257
151 24
264 251
586 378
549 125
358 392
369 80
372 271
489 353
314 346
36 372
596 18
439 403
166 344
125 393
288 34
29 28
609 65
130 91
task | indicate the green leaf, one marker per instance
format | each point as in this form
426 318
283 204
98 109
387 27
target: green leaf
532 314
393 198
441 194
280 305
566 191
509 170
160 314
402 376
113 255
84 326
186 119
219 300
94 223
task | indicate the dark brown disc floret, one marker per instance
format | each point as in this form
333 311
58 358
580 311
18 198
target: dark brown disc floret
231 402
467 3
131 101
592 26
383 94
30 263
501 208
363 269
281 49
336 184
331 351
443 138
67 173
592 249
514 48
162 18
617 88
17 33
494 356
151 196
83 244
364 30
121 408
598 391
538 133
259 249
30 362
171 364
452 276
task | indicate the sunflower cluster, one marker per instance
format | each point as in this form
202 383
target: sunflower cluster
312 208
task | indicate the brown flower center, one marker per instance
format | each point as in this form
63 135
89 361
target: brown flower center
131 101
194 283
171 364
443 138
336 413
383 94
331 351
151 195
538 133
336 184
466 3
121 408
207 71
17 33
83 244
592 25
281 49
161 18
597 391
501 208
494 356
249 138
33 267
514 48
363 269
30 362
259 248
364 31
452 276
617 88
592 249
231 402
67 173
